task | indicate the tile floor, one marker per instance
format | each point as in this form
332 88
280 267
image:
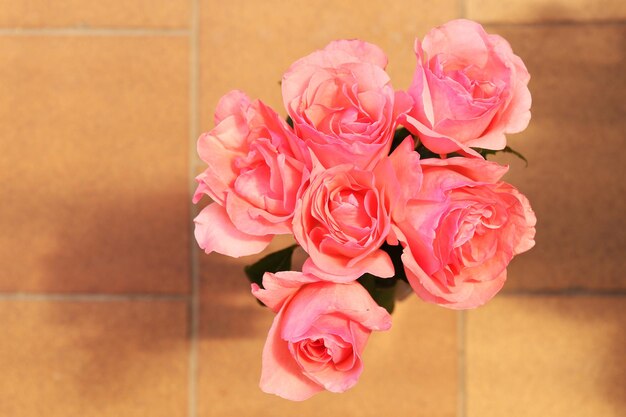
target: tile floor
108 309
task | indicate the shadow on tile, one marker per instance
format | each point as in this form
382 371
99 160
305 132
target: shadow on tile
117 244
116 356
104 358
548 356
577 159
228 309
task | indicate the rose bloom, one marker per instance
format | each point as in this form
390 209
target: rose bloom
318 336
462 231
342 103
256 168
469 90
346 213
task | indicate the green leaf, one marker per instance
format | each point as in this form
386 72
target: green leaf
382 290
274 262
485 152
290 122
398 138
516 153
426 153
395 253
508 149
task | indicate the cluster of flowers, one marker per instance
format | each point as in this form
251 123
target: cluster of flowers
372 182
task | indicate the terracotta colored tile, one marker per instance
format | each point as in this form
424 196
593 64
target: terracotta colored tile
544 10
93 167
577 159
70 359
409 371
93 13
249 45
547 357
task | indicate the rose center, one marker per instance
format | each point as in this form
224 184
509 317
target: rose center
348 210
258 178
333 106
315 350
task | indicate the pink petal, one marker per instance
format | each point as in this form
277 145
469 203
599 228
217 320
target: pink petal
345 374
254 221
435 141
349 300
408 174
402 104
280 373
278 287
310 268
517 115
364 51
215 232
379 263
493 139
419 91
480 294
527 224
476 170
460 38
233 102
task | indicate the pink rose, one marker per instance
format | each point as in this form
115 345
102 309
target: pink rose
462 231
345 215
342 103
256 170
469 89
318 336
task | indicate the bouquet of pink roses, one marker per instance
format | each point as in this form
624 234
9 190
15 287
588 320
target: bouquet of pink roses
377 185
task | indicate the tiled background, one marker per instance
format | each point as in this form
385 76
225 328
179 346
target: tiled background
108 309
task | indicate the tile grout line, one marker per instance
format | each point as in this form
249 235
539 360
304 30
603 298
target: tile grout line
557 23
461 365
85 31
33 296
461 400
462 9
89 297
194 302
567 292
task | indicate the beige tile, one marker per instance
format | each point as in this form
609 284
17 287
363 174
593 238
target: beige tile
94 13
248 45
93 168
409 371
74 359
575 146
545 10
547 357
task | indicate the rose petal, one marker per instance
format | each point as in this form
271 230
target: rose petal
278 287
215 232
349 300
280 373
